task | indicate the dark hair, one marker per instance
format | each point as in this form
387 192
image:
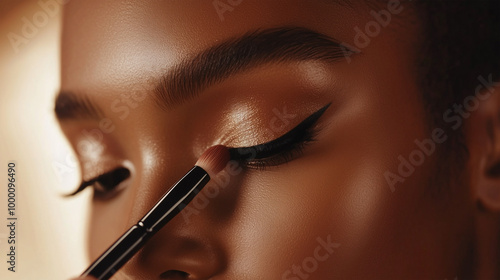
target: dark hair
460 42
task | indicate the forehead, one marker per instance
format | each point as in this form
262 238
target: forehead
121 43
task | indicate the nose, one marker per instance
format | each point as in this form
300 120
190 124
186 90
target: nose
193 244
182 257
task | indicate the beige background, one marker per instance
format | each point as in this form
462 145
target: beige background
50 229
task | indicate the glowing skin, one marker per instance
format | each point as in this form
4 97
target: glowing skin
264 224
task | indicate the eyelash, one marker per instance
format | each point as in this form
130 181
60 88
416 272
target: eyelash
291 152
281 150
108 183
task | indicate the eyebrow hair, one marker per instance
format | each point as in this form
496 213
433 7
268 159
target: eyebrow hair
69 105
276 45
215 64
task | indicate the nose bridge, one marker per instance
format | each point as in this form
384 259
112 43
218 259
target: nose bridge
191 242
216 202
161 164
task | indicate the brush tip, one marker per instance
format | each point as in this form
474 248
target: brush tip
214 159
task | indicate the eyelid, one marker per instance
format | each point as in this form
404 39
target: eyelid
300 134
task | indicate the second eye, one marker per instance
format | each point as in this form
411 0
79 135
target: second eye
107 183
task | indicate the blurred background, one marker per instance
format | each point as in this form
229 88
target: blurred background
50 230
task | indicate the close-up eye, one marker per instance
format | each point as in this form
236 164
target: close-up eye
107 184
282 149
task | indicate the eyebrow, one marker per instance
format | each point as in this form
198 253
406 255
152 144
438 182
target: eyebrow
186 80
69 105
276 45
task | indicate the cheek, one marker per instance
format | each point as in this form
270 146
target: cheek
282 216
285 214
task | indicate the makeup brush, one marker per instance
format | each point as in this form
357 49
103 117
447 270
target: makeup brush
212 161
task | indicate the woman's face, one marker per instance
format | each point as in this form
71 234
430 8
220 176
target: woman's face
331 210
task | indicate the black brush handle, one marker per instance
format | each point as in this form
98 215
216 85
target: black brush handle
175 199
164 210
